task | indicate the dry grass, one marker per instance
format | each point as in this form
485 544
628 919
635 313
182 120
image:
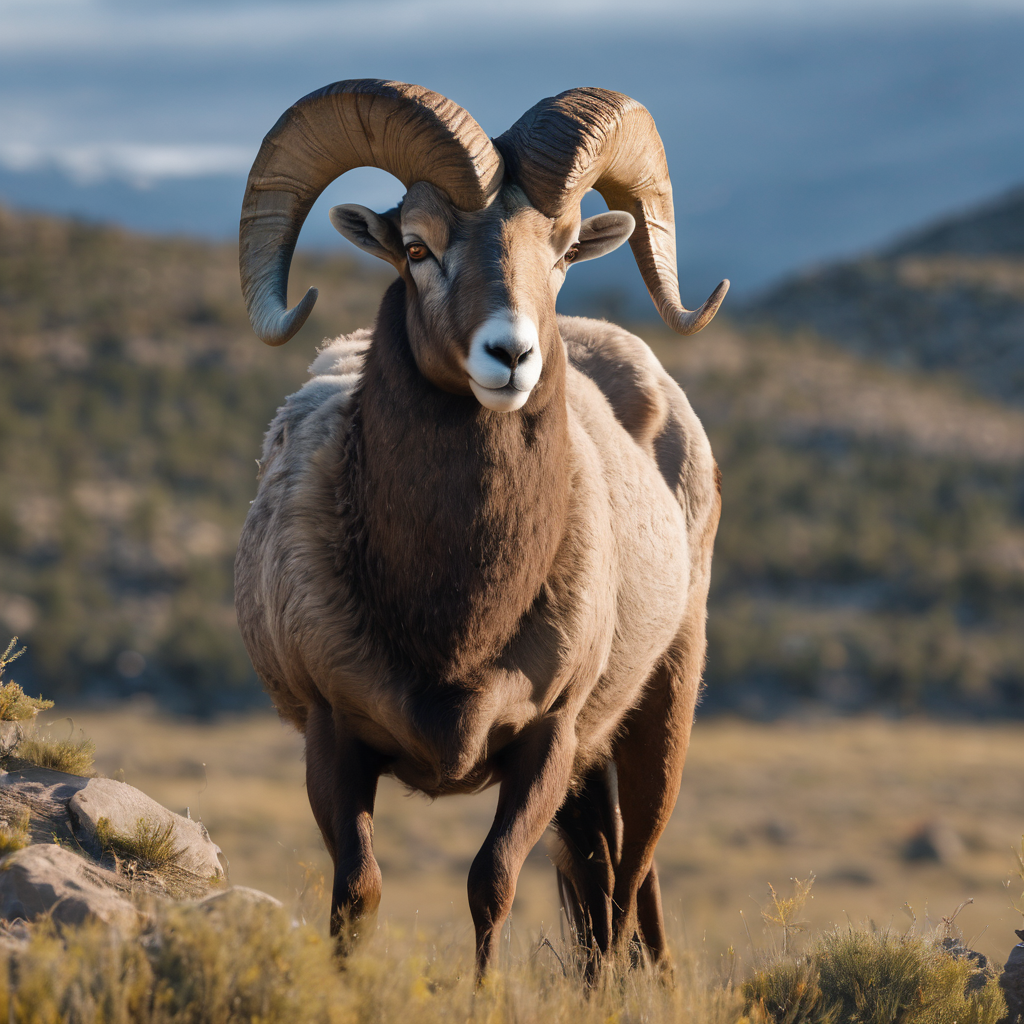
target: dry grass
14 834
69 755
236 962
149 845
759 804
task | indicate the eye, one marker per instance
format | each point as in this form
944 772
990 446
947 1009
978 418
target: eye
417 251
573 252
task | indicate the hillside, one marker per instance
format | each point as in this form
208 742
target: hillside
950 297
871 552
871 549
133 398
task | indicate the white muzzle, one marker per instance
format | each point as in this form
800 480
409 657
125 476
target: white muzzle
504 361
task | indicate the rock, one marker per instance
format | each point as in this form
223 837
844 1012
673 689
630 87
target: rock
11 734
45 793
1012 982
124 806
241 894
51 880
981 972
934 841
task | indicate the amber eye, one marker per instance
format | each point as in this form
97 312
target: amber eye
571 254
417 251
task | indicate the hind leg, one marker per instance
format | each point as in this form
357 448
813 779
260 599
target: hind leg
589 833
649 758
649 916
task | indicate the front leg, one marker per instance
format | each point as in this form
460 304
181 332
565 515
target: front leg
341 782
535 775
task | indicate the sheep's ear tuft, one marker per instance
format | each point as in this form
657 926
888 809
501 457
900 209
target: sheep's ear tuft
373 233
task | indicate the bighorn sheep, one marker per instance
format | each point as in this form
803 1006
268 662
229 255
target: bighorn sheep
481 544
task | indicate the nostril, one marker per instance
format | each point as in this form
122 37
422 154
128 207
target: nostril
510 353
503 355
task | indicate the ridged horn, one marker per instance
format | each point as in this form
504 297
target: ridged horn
593 138
411 132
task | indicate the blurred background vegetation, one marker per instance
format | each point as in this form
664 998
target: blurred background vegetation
133 397
871 551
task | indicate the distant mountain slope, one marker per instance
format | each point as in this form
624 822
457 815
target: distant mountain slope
949 297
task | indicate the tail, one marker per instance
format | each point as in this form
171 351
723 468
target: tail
589 829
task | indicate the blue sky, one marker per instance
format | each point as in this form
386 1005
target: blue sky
796 131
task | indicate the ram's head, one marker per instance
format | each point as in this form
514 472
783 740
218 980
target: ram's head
486 231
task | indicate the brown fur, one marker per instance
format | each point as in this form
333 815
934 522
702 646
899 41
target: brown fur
460 597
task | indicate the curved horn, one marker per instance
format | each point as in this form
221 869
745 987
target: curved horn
594 138
411 132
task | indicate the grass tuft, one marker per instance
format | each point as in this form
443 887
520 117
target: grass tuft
874 978
150 845
75 757
787 992
14 832
15 704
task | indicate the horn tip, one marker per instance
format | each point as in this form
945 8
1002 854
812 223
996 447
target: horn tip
283 326
683 321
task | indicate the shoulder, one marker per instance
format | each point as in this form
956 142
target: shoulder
625 370
648 403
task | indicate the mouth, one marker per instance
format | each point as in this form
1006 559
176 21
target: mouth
504 399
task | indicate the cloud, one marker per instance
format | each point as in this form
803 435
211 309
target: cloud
53 26
139 164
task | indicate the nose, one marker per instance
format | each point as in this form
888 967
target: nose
509 351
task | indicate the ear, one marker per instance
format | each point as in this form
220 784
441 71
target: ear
374 234
603 233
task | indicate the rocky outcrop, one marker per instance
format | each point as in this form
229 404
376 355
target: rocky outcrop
97 850
124 806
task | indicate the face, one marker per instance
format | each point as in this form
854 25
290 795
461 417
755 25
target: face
481 286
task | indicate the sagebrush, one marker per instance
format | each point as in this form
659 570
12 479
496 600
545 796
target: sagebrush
15 704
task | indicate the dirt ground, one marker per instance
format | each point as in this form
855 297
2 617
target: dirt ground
760 804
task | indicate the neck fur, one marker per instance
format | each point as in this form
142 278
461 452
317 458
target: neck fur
456 512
